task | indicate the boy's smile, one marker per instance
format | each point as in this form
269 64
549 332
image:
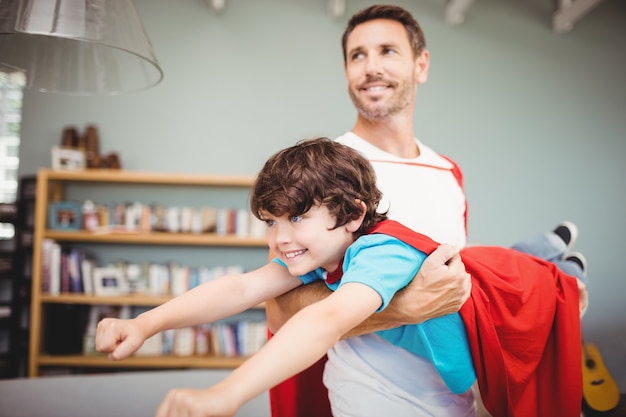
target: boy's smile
293 254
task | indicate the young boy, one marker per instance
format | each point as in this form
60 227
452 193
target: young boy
518 334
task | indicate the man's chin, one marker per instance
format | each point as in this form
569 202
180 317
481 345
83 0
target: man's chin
375 114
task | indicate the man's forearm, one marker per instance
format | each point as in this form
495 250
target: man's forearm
282 308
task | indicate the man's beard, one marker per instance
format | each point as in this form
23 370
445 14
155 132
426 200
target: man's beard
402 97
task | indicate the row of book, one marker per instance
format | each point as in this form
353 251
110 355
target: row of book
72 270
136 216
238 338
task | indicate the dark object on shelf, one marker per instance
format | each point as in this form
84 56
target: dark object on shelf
66 324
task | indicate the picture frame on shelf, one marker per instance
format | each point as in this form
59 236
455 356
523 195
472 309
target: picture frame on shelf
108 281
68 159
65 215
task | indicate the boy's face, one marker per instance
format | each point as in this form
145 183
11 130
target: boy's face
309 241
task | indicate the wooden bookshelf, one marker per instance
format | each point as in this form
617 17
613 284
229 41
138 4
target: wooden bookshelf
50 188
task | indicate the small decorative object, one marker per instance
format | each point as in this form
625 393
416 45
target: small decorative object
68 158
92 146
65 215
113 161
109 280
70 138
91 219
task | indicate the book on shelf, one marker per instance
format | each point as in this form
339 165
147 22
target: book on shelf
46 265
74 270
179 276
64 272
55 269
184 342
86 268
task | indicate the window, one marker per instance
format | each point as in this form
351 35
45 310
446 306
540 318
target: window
11 92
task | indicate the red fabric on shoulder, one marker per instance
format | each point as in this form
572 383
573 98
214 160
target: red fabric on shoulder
302 395
458 175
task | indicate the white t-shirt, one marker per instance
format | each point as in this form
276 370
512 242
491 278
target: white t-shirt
422 192
367 376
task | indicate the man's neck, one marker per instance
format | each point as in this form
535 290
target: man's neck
393 135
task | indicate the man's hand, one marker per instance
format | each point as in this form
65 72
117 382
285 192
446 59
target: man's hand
440 287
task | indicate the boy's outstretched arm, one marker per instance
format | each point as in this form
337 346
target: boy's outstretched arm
299 343
209 302
440 287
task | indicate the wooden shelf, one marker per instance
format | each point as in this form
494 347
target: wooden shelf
154 238
101 361
134 177
132 300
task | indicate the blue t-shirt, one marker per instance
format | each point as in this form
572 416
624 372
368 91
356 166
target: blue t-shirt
386 264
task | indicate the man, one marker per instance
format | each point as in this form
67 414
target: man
385 61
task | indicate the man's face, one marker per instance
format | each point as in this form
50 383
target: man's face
381 71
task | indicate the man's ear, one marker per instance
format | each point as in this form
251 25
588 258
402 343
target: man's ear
422 64
353 225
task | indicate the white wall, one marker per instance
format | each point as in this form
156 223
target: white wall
536 119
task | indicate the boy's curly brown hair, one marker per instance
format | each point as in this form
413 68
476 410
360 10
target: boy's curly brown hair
318 171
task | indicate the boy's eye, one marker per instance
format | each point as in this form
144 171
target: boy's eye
388 51
270 223
295 219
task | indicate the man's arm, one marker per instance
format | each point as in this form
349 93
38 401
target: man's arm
440 287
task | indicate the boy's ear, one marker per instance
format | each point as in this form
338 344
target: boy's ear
353 225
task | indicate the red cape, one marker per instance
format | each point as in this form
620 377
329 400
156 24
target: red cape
523 326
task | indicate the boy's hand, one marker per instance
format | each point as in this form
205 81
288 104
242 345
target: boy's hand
197 403
118 338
